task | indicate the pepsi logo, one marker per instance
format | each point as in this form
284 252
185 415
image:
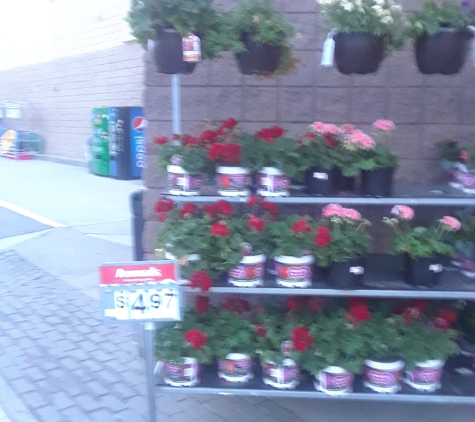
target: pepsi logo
139 123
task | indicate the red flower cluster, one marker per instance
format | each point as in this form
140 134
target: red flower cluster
270 134
358 311
201 279
160 140
220 229
411 314
229 123
162 217
444 319
223 207
314 303
237 305
189 141
323 236
269 206
260 330
254 199
301 339
196 338
202 304
208 137
164 205
329 138
187 209
298 303
293 303
256 223
309 135
210 210
228 153
301 226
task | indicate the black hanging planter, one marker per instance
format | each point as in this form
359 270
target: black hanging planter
358 52
424 271
347 275
443 53
259 59
168 53
378 182
320 181
344 183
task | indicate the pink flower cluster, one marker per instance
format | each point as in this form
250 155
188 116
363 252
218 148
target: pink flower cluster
348 129
464 155
336 210
324 128
384 125
360 139
404 212
451 223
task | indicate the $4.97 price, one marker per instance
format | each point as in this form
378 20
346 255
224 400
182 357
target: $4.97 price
146 304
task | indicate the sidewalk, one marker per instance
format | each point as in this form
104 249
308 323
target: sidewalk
60 362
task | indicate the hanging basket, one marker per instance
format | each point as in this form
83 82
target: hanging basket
443 53
258 59
168 54
358 52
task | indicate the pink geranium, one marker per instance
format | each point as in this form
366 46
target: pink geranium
352 214
403 211
348 128
361 139
333 210
384 125
318 127
451 223
464 155
332 129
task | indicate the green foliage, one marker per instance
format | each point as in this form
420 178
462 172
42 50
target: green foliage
418 242
451 155
463 240
170 343
386 21
284 241
258 240
372 159
194 160
230 333
349 240
317 152
432 17
347 161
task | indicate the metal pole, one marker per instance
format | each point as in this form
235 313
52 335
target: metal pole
149 329
176 104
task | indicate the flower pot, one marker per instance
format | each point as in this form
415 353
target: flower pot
467 181
424 271
467 355
184 263
383 377
444 52
180 182
235 368
286 376
272 182
258 59
320 181
183 375
378 182
334 381
426 376
358 52
232 181
294 272
249 273
348 274
344 183
467 267
168 53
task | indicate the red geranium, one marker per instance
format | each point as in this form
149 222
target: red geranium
411 314
323 236
329 138
196 338
301 226
160 140
269 206
229 123
293 303
260 330
309 135
359 310
256 223
202 304
210 209
215 152
220 229
164 205
314 303
301 339
189 141
254 199
187 209
270 134
444 319
236 305
201 279
223 207
162 217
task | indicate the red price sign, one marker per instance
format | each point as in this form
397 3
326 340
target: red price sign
163 272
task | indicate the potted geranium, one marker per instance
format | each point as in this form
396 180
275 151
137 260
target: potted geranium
170 22
290 241
423 247
425 351
184 159
442 35
366 31
259 37
463 242
233 341
280 344
336 353
183 346
341 244
459 161
182 236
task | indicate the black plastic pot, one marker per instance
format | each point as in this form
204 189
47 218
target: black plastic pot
168 54
358 52
424 271
378 182
320 181
347 275
442 53
259 59
344 183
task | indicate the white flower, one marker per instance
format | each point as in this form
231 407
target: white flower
387 20
349 7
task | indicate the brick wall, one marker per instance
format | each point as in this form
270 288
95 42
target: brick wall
426 109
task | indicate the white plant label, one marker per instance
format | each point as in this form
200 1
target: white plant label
320 176
436 268
328 52
357 270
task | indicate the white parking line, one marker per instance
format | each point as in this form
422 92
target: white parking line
29 214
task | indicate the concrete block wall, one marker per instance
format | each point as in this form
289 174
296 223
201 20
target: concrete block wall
426 109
